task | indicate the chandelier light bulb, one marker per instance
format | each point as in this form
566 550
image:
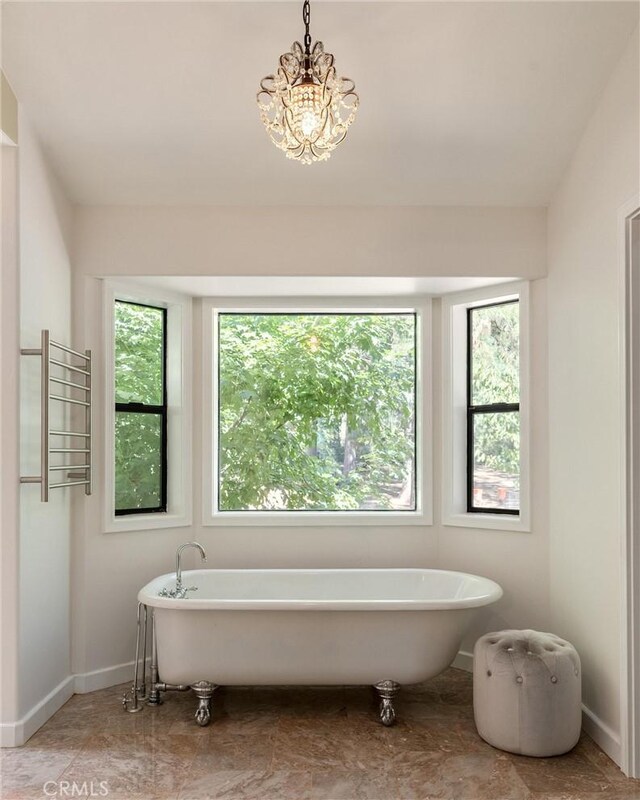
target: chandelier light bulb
305 107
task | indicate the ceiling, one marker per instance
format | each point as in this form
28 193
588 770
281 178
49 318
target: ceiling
461 103
302 286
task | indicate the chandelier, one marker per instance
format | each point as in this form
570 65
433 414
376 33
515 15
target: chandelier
305 107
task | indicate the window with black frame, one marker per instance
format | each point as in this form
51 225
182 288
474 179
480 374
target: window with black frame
141 408
493 408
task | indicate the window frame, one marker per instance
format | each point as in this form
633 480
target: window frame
422 515
484 408
178 377
146 408
455 403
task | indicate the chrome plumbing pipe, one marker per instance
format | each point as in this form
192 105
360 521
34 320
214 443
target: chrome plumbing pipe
154 698
137 691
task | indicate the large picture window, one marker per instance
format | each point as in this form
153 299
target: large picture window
316 411
140 408
493 408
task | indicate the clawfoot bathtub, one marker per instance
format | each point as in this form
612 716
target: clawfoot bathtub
384 627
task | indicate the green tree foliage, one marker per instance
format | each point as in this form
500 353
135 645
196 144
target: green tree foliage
495 379
316 411
138 374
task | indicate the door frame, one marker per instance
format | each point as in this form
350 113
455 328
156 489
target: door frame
628 218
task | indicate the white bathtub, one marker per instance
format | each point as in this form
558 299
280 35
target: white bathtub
344 626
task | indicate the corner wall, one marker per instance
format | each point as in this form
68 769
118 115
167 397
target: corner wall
45 529
585 393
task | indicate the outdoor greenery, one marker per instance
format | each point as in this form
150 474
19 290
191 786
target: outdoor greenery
495 379
138 379
316 411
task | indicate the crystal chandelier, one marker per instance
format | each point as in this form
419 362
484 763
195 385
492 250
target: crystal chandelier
305 107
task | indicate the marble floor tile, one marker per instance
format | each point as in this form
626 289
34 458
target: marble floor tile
247 785
340 743
469 776
571 774
297 743
354 785
134 766
25 770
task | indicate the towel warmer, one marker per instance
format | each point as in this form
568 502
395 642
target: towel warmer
52 354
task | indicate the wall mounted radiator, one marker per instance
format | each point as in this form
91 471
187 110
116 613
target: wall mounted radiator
74 388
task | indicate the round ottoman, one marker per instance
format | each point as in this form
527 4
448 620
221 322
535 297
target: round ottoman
527 692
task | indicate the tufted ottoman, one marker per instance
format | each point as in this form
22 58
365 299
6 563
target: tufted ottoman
526 692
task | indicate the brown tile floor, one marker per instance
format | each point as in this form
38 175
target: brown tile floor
296 744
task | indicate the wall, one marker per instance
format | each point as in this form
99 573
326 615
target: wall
45 289
110 568
518 561
585 390
9 404
299 240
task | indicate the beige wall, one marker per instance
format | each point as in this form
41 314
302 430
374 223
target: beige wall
9 456
373 241
8 110
45 529
585 388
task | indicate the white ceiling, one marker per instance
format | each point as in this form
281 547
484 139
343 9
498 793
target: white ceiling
461 103
301 286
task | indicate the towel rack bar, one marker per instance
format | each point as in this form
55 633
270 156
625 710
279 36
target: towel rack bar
69 450
70 383
66 349
45 373
76 474
69 366
69 400
88 489
68 483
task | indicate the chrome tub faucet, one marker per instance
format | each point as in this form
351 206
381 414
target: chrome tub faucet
180 591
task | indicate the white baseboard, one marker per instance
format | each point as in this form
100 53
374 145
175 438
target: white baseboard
606 739
103 678
463 661
14 734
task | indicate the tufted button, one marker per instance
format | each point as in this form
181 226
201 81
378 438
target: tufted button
576 672
554 679
519 679
509 649
489 672
529 653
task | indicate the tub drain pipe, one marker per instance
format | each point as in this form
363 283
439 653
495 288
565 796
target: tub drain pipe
138 691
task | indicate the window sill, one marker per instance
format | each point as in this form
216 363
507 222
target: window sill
326 519
146 522
492 522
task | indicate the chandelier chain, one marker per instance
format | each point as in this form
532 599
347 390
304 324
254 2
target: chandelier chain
306 18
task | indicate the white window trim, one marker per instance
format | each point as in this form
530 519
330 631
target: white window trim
424 460
179 378
454 409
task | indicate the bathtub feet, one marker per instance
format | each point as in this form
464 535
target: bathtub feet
387 690
204 692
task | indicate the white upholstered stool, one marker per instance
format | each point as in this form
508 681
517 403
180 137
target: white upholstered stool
527 692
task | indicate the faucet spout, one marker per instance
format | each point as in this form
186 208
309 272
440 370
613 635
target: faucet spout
182 547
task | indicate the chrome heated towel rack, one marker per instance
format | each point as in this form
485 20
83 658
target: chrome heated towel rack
58 360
